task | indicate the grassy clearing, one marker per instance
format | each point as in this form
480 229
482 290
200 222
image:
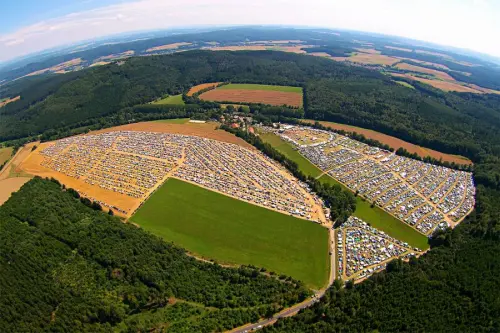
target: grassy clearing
405 84
389 224
173 121
171 100
261 87
215 226
375 216
5 154
283 147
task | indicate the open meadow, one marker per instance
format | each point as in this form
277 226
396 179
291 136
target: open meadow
256 93
215 226
171 100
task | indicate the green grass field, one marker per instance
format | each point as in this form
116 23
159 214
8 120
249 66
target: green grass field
285 148
171 100
261 87
375 216
173 121
215 226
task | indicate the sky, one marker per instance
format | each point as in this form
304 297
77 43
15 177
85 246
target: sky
28 26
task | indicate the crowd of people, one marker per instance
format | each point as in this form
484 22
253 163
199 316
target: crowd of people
135 163
423 195
363 250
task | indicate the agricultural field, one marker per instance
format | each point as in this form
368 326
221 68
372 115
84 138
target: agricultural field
395 142
172 46
439 84
198 219
367 57
171 100
437 74
202 86
9 186
5 154
12 176
256 93
248 86
282 46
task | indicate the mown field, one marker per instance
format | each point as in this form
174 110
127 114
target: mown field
171 100
282 146
231 231
375 216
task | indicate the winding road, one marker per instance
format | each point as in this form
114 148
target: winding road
293 310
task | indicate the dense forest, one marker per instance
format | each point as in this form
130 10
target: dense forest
66 267
448 122
109 89
454 287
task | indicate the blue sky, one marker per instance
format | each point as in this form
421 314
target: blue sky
19 13
28 26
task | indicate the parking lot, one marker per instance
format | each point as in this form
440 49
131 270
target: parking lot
424 196
136 163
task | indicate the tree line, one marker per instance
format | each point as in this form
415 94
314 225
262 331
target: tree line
68 267
342 203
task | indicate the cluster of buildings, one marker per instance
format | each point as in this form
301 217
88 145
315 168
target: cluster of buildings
423 195
363 250
136 163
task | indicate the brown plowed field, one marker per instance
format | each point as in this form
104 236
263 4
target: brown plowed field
202 86
253 96
395 142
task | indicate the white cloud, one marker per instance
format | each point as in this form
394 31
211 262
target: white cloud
468 23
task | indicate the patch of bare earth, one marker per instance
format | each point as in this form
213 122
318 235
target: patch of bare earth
253 96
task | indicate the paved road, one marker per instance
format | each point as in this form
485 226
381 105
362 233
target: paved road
293 310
